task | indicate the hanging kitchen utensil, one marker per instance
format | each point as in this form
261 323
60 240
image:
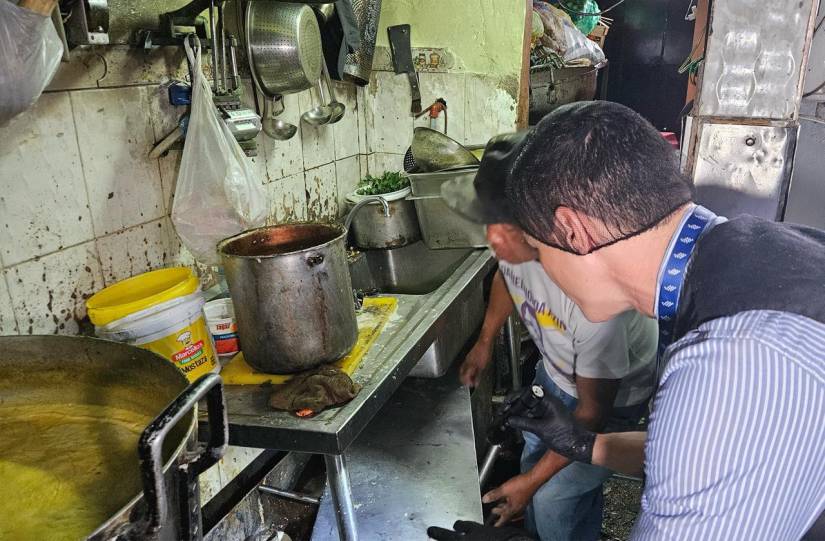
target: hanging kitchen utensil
283 46
437 107
402 62
321 113
337 108
432 151
274 127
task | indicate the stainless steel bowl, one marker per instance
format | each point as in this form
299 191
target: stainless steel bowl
283 45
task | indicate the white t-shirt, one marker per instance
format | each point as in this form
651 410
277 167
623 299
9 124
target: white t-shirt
622 348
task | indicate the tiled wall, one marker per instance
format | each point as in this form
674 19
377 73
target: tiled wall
82 206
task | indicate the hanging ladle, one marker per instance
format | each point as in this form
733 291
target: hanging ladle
320 114
337 108
274 127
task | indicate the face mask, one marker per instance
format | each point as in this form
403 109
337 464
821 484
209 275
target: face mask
30 52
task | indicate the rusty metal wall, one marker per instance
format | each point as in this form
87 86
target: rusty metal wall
754 61
744 126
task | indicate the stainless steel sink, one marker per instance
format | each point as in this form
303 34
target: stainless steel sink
416 272
411 270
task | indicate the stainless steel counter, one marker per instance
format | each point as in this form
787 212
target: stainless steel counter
408 335
419 321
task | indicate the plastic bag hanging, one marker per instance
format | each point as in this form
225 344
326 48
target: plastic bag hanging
217 195
30 52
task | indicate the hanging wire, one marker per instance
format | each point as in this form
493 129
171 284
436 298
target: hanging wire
822 84
812 119
596 14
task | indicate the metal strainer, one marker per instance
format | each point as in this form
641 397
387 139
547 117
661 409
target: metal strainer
284 46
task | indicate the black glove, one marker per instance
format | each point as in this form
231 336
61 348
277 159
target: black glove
464 530
554 424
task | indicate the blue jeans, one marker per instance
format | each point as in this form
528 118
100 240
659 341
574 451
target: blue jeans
569 506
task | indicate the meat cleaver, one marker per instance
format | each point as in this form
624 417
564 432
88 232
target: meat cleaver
402 62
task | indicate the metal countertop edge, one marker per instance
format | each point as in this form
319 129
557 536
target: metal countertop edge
334 436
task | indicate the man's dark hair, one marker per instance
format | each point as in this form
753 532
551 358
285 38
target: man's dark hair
599 158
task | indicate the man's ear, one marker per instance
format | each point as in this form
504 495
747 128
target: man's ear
573 229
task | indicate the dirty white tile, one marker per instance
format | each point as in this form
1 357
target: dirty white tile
257 164
169 168
322 193
489 109
380 162
119 65
86 66
165 118
284 158
49 294
388 118
237 459
347 175
133 251
128 65
287 199
43 203
234 460
178 253
211 482
318 141
361 96
8 324
451 87
115 136
345 130
163 115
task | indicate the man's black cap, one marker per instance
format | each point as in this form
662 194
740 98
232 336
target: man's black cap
483 198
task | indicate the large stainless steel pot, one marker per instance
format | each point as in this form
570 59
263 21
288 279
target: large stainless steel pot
62 372
291 289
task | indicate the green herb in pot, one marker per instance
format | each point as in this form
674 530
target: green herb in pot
390 181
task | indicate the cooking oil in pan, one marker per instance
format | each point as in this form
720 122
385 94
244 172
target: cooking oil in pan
65 468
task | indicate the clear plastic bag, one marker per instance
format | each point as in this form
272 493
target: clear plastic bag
217 195
579 48
30 52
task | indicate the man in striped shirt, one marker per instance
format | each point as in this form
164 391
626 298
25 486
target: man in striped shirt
735 447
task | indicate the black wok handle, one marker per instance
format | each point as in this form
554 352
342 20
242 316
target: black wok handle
150 446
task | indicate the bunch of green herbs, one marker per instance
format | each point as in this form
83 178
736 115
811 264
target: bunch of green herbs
390 181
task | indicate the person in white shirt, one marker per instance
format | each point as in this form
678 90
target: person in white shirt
603 372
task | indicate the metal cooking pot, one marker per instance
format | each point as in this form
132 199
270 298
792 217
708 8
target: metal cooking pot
552 87
62 372
372 230
291 289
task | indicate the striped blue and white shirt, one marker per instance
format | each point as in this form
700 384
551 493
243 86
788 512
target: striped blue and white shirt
736 440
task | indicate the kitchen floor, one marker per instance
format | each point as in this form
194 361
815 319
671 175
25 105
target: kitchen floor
622 499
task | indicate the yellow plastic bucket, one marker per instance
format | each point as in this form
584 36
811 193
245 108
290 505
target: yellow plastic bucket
168 319
140 292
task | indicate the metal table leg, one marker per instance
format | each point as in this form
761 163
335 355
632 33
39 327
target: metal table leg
339 485
514 350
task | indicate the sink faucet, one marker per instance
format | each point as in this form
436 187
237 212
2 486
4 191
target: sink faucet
365 201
